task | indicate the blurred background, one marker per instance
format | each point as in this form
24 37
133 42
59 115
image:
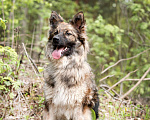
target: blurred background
116 29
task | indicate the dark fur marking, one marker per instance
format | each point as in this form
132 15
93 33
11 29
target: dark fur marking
51 81
68 81
46 106
50 36
95 108
96 101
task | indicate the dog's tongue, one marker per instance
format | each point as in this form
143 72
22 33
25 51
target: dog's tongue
57 53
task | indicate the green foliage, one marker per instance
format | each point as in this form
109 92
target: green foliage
106 40
123 39
7 69
3 23
138 34
40 69
10 59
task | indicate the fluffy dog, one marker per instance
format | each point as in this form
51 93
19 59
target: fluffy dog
70 90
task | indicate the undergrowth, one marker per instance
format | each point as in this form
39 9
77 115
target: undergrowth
111 108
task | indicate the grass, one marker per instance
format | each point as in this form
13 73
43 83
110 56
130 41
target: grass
114 109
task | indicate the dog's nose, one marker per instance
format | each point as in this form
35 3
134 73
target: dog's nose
56 40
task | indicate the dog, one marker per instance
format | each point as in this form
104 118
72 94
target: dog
70 90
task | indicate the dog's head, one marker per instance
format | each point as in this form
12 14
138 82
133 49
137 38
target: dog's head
66 40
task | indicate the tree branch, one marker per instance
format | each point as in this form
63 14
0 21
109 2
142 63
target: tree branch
105 78
12 45
34 67
136 41
123 79
146 79
32 40
127 93
124 60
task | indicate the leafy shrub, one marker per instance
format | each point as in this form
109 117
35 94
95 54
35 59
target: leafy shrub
2 23
8 68
105 40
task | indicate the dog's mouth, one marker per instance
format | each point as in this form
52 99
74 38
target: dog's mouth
60 51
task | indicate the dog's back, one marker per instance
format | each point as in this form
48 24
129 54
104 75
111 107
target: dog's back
70 90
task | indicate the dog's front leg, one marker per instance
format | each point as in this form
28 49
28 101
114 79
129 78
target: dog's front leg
87 113
78 114
48 113
48 116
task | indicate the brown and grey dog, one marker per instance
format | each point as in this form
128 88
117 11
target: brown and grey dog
70 90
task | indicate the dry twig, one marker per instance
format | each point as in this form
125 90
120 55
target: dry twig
32 41
12 45
122 97
105 87
124 60
105 78
146 79
123 79
34 67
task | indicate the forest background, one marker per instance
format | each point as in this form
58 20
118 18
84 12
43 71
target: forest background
118 33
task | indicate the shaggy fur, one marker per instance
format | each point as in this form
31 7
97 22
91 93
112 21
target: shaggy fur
70 90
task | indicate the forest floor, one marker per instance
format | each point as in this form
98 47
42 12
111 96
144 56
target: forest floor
26 103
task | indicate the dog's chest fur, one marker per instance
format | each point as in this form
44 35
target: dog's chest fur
67 87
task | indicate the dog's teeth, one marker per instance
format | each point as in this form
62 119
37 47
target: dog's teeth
65 49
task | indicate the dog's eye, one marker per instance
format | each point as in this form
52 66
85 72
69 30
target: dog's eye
68 33
56 32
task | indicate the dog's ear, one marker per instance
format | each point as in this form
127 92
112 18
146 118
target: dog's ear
78 21
55 19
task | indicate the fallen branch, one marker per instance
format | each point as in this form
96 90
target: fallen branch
124 60
34 67
127 93
105 87
105 91
146 79
105 78
123 79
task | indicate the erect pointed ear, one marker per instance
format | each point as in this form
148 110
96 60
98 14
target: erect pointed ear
55 19
78 21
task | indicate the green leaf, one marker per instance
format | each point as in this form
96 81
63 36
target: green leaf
9 78
40 69
11 95
144 25
93 114
109 28
135 18
2 23
7 83
2 87
16 84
